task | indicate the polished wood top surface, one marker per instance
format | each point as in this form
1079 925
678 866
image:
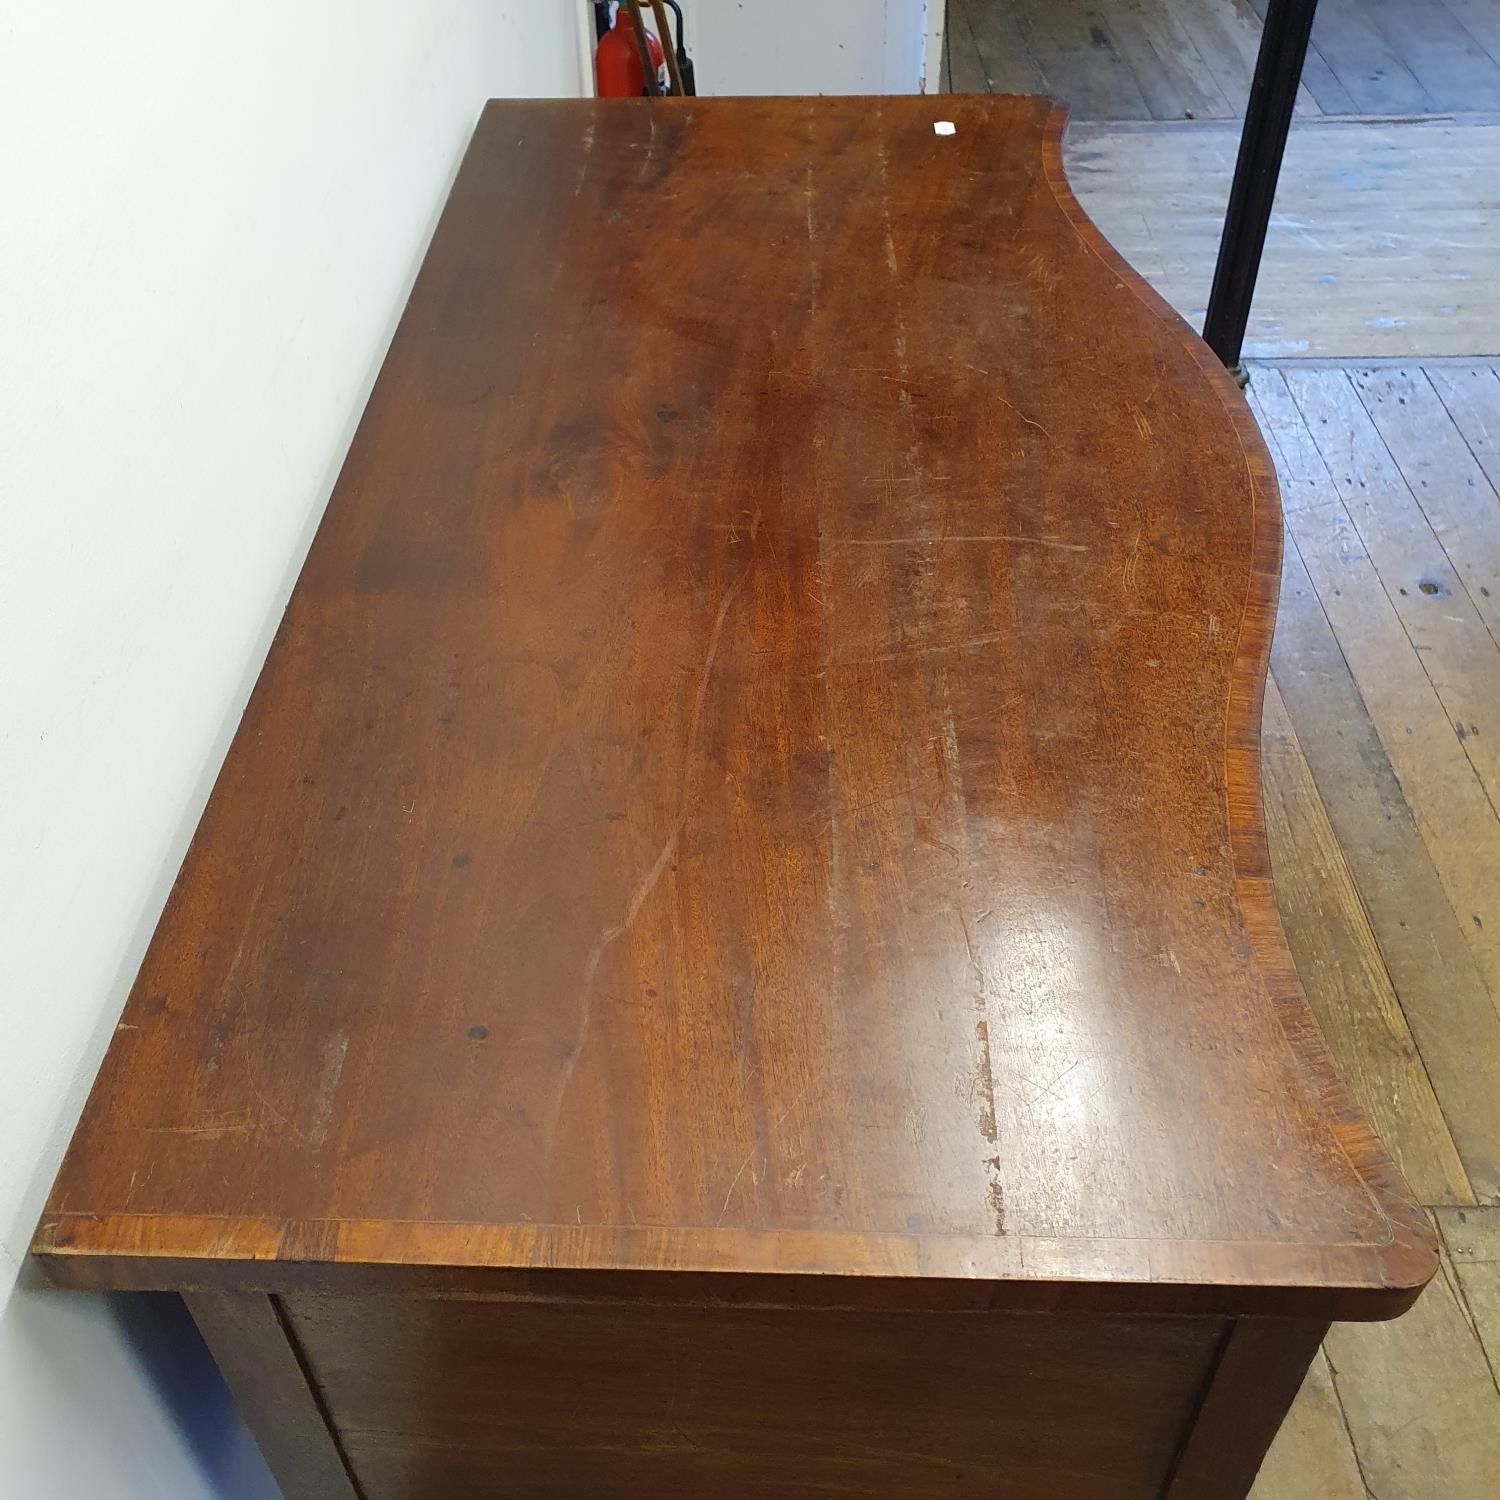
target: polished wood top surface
758 780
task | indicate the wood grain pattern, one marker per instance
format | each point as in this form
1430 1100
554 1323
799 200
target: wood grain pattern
1260 1368
1416 1416
759 777
1453 69
1472 1239
1450 487
1368 65
966 69
1312 1457
1114 59
1412 1415
994 55
641 1402
1422 939
1353 268
1481 20
1471 396
1079 60
1421 709
1339 964
1170 59
260 1359
1227 34
1421 1399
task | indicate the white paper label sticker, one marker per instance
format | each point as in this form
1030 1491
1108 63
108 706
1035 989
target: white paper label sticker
944 127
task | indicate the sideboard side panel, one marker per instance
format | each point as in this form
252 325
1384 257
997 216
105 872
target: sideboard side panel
1258 1375
257 1354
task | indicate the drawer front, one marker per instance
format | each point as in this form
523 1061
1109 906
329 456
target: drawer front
499 1400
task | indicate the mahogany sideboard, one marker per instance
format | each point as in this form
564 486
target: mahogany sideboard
733 952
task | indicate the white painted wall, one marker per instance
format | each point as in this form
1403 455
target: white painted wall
211 213
813 46
935 30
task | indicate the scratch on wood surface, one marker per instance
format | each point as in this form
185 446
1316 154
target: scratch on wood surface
985 1077
1029 421
978 1086
583 166
1015 537
812 238
898 316
1128 576
724 1208
1049 1090
996 1192
271 1109
935 650
335 1051
648 882
1040 270
988 1124
1150 396
649 159
927 541
754 1150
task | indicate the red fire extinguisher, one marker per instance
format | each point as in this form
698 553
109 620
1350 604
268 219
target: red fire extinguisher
618 73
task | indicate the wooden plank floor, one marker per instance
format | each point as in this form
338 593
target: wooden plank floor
1382 777
1385 242
1192 59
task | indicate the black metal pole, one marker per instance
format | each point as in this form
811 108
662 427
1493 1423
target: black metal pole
1268 117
